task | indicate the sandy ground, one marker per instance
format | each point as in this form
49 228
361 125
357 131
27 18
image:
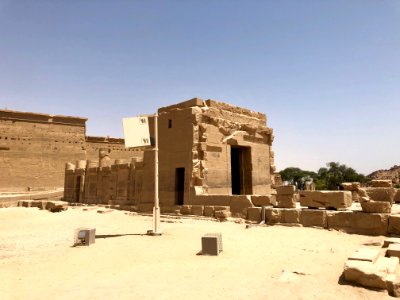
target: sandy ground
38 262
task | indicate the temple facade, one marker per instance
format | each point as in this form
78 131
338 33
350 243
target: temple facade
209 153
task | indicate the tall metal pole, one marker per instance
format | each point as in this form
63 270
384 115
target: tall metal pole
156 210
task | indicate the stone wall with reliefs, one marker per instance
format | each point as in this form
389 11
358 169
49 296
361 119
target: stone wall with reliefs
34 148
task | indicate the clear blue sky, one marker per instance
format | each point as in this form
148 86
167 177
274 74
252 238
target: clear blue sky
326 73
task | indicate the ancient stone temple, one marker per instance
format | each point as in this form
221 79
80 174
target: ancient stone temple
34 148
209 153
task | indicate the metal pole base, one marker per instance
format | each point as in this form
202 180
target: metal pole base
154 233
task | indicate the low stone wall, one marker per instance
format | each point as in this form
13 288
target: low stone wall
213 211
11 200
356 222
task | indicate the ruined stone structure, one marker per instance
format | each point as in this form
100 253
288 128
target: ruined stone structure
209 153
34 148
392 174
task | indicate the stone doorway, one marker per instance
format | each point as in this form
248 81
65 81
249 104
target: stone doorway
241 170
78 188
179 185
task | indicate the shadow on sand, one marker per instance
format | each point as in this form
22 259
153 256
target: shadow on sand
106 236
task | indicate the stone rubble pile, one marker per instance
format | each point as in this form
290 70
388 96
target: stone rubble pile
53 206
376 267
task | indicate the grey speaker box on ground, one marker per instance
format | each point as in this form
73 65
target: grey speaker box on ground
211 244
84 236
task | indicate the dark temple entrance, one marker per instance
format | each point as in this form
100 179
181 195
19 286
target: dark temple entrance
241 170
179 185
78 188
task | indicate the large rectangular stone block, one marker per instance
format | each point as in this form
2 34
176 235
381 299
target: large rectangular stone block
254 214
222 214
366 254
350 186
286 190
264 200
272 215
239 206
381 194
197 210
381 183
394 224
286 201
290 216
359 222
209 211
186 209
364 273
326 199
224 200
313 218
376 206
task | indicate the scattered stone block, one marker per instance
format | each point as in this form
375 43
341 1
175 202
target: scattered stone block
394 224
209 211
222 214
56 206
359 222
351 186
366 254
393 250
197 210
326 199
286 189
313 218
381 194
381 183
376 206
286 201
272 215
25 203
390 240
364 273
254 214
290 216
39 204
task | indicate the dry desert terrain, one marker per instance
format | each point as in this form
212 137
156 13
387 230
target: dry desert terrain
37 260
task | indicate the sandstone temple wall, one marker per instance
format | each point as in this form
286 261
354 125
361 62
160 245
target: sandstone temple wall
35 147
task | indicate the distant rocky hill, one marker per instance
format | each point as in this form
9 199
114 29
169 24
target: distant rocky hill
393 173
